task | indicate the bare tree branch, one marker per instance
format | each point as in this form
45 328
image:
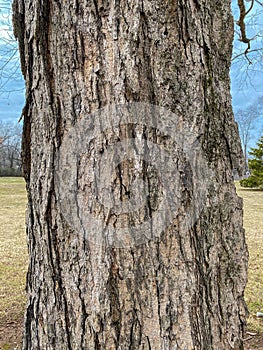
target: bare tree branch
242 53
242 25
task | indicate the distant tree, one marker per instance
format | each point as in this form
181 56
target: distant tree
247 123
10 149
256 167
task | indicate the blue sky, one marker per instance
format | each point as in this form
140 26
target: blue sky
247 84
11 81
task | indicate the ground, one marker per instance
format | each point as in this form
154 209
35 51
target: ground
253 223
13 263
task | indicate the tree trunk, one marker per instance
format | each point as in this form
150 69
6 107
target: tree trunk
110 86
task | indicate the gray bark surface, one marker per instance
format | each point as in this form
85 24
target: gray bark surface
185 289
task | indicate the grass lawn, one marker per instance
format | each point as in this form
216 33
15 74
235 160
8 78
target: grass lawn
13 261
253 223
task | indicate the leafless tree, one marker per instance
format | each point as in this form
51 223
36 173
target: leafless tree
10 148
247 120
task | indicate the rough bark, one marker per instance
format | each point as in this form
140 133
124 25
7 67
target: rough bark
183 290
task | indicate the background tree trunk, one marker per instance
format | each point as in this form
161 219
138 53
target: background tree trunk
183 290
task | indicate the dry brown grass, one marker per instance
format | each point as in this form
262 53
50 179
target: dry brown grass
13 258
253 223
